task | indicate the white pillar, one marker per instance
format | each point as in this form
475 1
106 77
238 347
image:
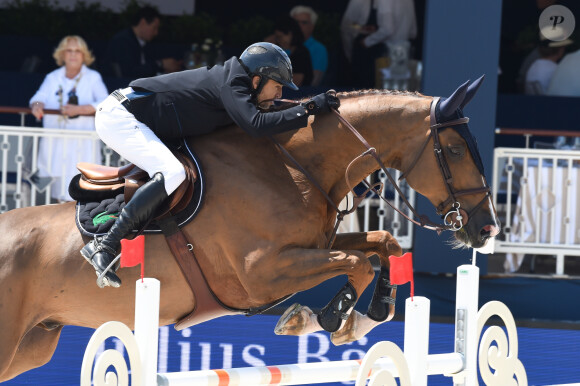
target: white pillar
147 327
466 307
417 338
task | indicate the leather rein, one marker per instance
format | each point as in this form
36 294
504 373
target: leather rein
450 222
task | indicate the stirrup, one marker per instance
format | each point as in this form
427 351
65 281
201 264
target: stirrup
90 250
102 280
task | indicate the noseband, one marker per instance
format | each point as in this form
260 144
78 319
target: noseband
454 220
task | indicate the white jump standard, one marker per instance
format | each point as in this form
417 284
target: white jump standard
382 364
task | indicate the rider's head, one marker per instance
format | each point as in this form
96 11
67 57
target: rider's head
270 69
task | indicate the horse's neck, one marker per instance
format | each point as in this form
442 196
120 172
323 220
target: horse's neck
393 124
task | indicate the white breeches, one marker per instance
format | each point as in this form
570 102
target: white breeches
136 142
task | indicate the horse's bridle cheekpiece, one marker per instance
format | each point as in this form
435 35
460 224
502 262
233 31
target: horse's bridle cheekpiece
450 222
455 219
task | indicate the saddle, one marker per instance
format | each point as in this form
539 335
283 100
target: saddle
99 181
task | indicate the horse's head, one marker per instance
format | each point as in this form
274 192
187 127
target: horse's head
452 176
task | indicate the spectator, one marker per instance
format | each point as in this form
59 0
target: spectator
540 72
566 78
306 18
75 90
289 36
129 52
367 26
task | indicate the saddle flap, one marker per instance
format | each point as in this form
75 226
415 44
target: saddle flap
184 192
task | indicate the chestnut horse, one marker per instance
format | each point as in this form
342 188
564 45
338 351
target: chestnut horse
264 226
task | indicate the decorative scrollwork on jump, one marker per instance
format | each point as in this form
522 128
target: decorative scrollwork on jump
112 358
503 356
384 377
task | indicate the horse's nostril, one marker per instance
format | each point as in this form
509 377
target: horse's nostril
489 231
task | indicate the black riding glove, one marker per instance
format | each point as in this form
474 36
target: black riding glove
332 100
322 103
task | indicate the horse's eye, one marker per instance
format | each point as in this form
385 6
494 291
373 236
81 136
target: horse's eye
456 151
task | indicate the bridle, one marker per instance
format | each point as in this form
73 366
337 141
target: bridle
454 220
450 223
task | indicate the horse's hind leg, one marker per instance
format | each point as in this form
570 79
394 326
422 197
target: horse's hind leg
34 350
22 345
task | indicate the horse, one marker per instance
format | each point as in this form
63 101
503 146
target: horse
264 226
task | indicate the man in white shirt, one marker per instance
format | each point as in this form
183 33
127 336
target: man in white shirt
367 26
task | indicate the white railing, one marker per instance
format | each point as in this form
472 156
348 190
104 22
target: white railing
22 187
536 193
21 183
375 214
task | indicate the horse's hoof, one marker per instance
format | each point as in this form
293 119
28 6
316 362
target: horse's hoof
294 320
356 327
347 333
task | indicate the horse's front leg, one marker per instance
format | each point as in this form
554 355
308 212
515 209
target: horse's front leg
382 306
302 269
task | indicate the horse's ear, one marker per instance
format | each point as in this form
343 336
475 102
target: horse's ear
471 90
449 105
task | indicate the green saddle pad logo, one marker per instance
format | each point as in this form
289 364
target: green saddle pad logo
102 218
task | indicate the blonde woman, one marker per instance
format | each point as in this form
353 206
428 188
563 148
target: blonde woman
75 90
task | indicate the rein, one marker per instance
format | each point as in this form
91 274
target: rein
450 223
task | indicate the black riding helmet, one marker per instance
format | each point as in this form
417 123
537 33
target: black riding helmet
267 60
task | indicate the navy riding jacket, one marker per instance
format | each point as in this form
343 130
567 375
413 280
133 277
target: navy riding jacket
195 102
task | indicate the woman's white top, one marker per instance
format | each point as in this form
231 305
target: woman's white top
58 157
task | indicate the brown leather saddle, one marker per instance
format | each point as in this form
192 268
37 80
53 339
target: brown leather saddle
98 178
101 178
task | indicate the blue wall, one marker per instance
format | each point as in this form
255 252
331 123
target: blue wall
461 42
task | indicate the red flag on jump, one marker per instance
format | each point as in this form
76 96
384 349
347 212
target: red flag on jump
133 253
402 270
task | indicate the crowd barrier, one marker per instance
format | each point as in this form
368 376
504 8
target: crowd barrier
536 196
494 358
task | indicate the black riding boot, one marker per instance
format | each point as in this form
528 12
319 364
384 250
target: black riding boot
102 251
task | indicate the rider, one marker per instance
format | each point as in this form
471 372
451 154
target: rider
136 121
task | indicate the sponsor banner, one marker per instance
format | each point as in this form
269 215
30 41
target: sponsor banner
238 341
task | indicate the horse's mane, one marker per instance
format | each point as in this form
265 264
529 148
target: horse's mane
353 94
359 93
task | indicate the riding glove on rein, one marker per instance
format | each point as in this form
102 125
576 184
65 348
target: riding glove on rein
322 103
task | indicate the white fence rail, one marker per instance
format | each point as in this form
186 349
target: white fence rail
536 193
22 186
